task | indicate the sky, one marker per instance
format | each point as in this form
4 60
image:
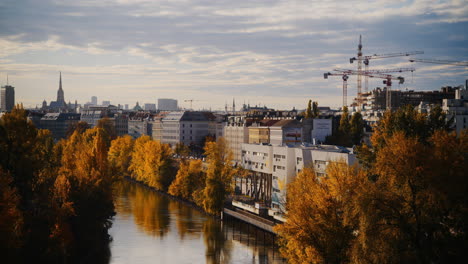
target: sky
260 52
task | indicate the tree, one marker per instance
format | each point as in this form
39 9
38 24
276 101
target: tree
158 167
315 110
108 126
189 178
181 149
342 136
120 155
408 212
11 219
308 113
321 223
80 126
356 128
219 174
138 159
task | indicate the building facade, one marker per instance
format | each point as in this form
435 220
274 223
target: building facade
58 123
165 104
7 98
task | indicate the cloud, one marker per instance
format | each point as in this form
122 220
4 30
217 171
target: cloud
277 49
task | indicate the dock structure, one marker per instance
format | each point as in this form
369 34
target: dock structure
251 219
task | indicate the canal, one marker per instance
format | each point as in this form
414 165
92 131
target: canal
152 228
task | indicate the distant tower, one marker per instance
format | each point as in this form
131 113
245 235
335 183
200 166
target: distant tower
7 97
60 96
233 106
225 107
93 100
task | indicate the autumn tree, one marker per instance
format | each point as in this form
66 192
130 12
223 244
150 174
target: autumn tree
120 155
11 220
152 163
109 126
408 214
138 158
158 165
308 113
219 175
321 222
80 126
181 149
189 178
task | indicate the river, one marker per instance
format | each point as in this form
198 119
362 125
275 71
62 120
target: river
152 228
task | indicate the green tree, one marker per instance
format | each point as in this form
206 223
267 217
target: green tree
356 128
218 176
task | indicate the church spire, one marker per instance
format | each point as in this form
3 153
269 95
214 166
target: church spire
60 95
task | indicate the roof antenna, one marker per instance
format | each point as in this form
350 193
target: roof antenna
7 79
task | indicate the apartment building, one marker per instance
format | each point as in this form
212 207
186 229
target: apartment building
58 123
274 167
187 127
457 109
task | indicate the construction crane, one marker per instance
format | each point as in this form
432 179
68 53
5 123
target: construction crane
345 77
366 61
446 62
381 74
191 101
369 73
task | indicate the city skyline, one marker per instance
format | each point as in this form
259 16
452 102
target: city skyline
257 52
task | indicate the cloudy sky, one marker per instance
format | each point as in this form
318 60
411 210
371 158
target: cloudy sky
271 52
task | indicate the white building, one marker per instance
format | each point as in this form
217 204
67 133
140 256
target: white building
236 132
187 127
274 167
457 109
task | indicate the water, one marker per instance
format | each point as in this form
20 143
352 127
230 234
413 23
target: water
151 228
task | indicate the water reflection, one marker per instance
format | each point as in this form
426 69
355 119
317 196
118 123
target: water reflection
149 227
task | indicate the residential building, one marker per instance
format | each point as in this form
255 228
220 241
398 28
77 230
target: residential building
272 168
457 109
236 132
187 127
286 132
58 123
140 124
93 114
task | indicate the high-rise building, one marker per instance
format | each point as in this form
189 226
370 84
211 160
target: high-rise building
165 104
106 103
94 100
150 107
7 100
